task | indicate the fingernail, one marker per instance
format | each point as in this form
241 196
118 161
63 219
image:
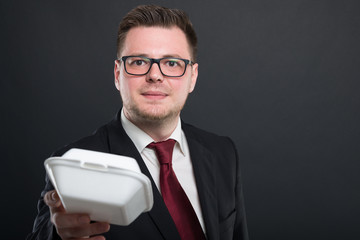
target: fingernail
53 197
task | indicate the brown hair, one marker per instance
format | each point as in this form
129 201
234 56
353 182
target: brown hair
151 15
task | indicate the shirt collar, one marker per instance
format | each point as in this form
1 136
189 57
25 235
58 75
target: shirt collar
141 139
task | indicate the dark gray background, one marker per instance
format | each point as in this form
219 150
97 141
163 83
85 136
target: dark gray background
279 77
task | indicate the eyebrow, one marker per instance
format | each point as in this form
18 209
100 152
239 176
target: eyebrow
164 56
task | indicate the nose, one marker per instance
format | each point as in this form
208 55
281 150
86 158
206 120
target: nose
154 74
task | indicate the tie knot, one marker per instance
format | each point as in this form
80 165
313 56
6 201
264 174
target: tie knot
164 150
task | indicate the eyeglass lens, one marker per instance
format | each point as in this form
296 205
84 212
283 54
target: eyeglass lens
168 66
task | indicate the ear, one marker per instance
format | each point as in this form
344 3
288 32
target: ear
117 74
194 75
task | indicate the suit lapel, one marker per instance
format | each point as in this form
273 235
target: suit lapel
202 161
203 165
121 144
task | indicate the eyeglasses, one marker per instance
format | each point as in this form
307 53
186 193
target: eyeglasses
169 66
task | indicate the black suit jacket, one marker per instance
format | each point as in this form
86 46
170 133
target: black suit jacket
217 175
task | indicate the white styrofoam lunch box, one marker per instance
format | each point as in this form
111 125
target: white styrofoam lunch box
109 187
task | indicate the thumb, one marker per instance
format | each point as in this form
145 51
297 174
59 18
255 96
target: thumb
52 199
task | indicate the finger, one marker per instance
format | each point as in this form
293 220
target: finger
84 230
67 220
52 199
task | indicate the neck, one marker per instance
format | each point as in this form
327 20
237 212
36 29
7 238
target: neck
158 130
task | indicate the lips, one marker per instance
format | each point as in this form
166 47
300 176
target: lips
154 94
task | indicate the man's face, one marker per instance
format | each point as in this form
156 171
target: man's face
153 97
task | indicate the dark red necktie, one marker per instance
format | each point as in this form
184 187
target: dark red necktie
174 196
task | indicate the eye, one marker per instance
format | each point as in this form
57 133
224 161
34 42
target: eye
172 63
137 61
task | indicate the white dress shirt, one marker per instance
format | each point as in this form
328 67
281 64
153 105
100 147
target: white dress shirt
181 161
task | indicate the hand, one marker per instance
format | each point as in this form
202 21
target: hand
73 225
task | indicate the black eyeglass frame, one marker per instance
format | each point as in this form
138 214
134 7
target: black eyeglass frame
157 61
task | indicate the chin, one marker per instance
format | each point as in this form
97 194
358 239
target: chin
155 114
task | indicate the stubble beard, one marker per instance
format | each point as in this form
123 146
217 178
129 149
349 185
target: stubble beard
154 115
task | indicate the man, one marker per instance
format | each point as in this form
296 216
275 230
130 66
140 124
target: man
155 71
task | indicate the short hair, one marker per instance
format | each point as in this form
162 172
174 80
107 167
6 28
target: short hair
157 16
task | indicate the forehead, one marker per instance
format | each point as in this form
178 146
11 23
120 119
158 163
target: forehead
156 42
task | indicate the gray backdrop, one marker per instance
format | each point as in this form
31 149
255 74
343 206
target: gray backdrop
279 77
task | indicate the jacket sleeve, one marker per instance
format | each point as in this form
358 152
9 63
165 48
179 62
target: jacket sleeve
43 228
240 228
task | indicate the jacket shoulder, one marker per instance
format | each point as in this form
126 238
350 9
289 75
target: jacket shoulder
206 138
